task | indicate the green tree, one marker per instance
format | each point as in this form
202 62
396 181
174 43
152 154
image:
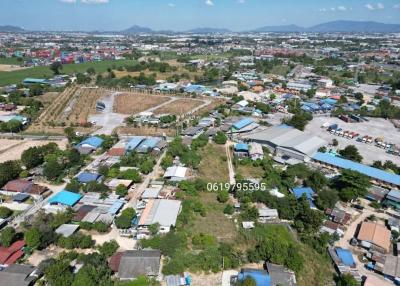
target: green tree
59 273
351 185
32 238
220 138
55 67
347 280
7 236
108 248
223 196
121 190
351 153
5 212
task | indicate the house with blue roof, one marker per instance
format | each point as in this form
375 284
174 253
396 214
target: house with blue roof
86 177
393 199
377 176
344 262
133 143
308 192
195 88
241 150
242 123
92 143
149 144
65 198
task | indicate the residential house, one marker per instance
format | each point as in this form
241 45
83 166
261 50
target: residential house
9 255
19 275
256 151
374 236
133 263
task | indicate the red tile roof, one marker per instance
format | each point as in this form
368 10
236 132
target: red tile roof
116 152
9 255
115 260
18 186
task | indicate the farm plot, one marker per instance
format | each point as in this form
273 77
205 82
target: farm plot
17 147
179 107
72 107
132 103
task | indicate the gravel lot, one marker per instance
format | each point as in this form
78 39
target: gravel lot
376 127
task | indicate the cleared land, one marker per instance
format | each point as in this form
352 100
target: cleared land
16 147
179 107
214 166
47 98
10 68
375 127
72 107
132 103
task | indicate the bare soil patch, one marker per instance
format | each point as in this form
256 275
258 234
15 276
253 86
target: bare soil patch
179 107
132 103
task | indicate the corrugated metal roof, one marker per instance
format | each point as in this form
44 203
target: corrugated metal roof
242 123
134 143
345 256
92 141
298 192
65 198
363 169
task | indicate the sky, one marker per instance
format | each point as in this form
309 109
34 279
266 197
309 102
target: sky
180 15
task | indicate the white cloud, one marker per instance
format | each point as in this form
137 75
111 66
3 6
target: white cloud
372 7
369 7
333 9
323 10
241 1
342 8
396 6
68 1
209 3
94 1
171 5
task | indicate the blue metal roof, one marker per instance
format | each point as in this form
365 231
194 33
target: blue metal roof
195 88
345 256
363 169
20 197
87 177
149 143
134 143
242 123
35 80
298 192
261 277
329 101
92 141
241 147
115 207
65 198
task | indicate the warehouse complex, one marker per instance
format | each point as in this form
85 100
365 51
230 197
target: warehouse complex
286 141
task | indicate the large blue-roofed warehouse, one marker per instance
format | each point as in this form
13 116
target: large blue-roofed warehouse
89 145
244 125
377 176
133 143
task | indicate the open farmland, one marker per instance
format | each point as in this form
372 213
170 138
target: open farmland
132 103
72 107
11 77
179 107
12 149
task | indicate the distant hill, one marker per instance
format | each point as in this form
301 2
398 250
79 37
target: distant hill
207 30
13 29
284 28
337 26
138 30
355 26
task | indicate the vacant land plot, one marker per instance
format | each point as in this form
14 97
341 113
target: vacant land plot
376 127
249 171
10 68
179 107
132 103
214 222
47 98
16 147
72 107
214 166
215 102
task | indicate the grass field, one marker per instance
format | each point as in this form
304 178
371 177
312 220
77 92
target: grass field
45 72
213 166
131 103
10 61
249 171
179 107
215 222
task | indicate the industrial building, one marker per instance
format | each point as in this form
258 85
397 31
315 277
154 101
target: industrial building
287 142
163 212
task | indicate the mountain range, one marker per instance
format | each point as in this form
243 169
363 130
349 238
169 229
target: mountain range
328 27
